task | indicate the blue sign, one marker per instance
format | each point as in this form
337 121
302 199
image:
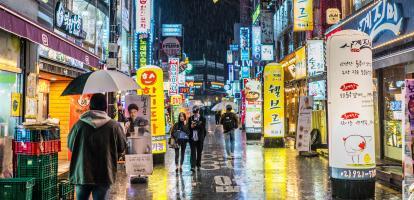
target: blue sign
231 72
384 20
244 43
175 30
256 43
245 72
234 47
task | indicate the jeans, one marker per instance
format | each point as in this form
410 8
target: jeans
229 140
99 192
196 151
181 147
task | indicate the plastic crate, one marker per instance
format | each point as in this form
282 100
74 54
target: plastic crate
42 166
36 148
36 134
45 183
50 193
66 190
16 188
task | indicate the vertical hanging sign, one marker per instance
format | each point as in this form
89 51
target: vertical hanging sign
302 15
143 15
350 106
273 101
173 72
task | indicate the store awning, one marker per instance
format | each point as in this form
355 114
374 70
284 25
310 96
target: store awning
17 24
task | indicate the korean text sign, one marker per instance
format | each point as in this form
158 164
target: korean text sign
173 71
143 15
253 98
245 43
315 59
273 101
304 128
350 106
150 79
302 15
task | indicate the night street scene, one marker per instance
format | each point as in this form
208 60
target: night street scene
206 99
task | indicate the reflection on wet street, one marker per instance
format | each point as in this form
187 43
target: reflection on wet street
253 173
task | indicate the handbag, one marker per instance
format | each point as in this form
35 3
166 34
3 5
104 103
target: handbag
182 135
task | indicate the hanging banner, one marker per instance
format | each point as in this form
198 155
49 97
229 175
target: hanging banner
302 15
408 129
273 100
315 57
79 104
173 72
253 98
300 66
304 127
266 25
16 105
350 106
256 42
143 15
244 43
150 79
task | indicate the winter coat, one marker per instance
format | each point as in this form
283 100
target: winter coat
200 127
179 126
96 142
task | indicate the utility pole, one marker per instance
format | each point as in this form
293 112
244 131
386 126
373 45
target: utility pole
112 61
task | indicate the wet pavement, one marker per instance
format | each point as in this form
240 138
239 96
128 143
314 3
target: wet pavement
253 173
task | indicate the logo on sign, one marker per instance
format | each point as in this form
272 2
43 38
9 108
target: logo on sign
349 86
68 22
358 45
385 16
148 78
350 115
333 15
171 46
45 40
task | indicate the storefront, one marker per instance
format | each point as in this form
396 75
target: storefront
11 84
393 62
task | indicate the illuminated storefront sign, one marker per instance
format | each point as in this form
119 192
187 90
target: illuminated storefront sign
350 106
51 54
231 72
143 15
173 72
253 98
266 25
245 72
142 52
245 43
256 14
175 30
273 100
68 22
317 89
315 57
229 56
333 15
267 52
176 100
302 15
150 79
256 43
300 66
171 46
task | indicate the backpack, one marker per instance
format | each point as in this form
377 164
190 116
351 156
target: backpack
228 122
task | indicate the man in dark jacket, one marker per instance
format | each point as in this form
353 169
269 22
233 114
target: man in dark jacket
230 122
96 142
197 127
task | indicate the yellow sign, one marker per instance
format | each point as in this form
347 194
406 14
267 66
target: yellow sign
176 100
43 86
150 79
273 100
300 65
302 15
16 105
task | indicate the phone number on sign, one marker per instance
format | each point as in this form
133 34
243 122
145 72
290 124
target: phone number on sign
358 174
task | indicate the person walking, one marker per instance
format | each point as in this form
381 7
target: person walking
180 133
217 117
121 113
230 122
197 127
96 142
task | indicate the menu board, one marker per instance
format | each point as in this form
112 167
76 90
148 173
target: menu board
273 101
350 106
304 128
253 98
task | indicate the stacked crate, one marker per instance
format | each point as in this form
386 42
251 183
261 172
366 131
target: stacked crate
66 190
36 156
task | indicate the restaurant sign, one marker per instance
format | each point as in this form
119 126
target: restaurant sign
68 22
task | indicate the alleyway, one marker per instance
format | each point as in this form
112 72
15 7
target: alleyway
254 173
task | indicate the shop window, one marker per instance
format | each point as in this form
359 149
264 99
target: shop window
393 82
10 87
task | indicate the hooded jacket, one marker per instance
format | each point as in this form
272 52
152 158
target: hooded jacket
96 142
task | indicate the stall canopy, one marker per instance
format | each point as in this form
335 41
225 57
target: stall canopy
17 24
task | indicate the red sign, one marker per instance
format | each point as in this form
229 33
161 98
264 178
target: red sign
350 115
148 78
349 86
174 84
184 90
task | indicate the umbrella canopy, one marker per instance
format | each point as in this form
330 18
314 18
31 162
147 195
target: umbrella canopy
222 105
99 82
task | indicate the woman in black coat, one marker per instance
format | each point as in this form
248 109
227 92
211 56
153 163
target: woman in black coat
180 133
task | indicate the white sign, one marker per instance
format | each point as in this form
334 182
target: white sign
139 164
350 106
143 15
181 79
267 52
171 46
333 15
253 92
304 128
173 71
316 57
229 56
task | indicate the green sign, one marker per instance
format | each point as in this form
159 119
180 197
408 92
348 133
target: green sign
256 14
142 52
